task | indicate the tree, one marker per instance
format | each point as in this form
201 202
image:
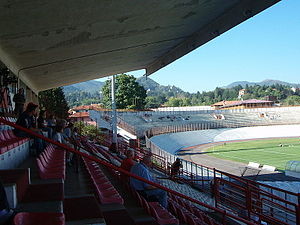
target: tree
173 102
152 102
129 94
293 100
54 102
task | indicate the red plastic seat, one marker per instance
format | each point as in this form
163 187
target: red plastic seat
162 215
48 174
39 218
7 142
14 141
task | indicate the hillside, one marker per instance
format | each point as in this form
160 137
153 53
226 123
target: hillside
90 86
154 89
89 92
267 82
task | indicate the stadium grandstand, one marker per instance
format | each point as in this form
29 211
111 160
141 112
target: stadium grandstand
55 43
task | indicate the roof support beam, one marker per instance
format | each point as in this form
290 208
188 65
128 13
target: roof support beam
234 16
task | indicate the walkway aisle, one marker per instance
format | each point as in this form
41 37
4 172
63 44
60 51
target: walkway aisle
185 189
130 208
80 204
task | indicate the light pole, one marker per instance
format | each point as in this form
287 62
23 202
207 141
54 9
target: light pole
113 146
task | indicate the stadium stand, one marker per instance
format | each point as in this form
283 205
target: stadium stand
107 192
230 118
173 142
292 169
13 150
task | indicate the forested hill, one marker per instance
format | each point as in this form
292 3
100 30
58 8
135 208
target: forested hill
153 88
90 86
84 93
157 95
267 82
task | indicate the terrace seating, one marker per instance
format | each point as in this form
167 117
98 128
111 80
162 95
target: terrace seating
37 218
10 141
51 164
6 127
104 189
161 215
13 150
292 168
188 213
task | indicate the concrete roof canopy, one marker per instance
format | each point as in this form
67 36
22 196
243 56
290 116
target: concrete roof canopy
59 42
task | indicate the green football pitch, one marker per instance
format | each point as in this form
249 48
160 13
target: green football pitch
272 152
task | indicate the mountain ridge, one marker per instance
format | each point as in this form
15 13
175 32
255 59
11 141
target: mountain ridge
152 86
266 82
91 86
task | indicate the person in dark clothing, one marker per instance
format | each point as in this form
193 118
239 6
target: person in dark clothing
6 213
19 100
27 120
42 123
175 167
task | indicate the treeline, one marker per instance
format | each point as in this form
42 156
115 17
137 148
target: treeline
284 95
171 96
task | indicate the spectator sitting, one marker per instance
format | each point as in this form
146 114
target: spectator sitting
127 164
142 169
175 167
61 138
61 122
51 122
42 124
58 134
27 120
68 131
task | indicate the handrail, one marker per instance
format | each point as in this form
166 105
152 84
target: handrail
211 173
124 171
260 191
245 180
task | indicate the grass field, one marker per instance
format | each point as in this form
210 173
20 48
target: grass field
275 152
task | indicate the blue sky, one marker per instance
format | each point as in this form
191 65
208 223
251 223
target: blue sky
266 46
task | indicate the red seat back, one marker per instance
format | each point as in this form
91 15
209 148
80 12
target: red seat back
38 218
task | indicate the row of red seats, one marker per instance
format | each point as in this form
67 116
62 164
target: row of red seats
97 149
104 189
189 213
186 212
6 127
161 215
52 163
8 141
38 218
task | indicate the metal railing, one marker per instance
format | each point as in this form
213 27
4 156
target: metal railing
224 213
240 195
